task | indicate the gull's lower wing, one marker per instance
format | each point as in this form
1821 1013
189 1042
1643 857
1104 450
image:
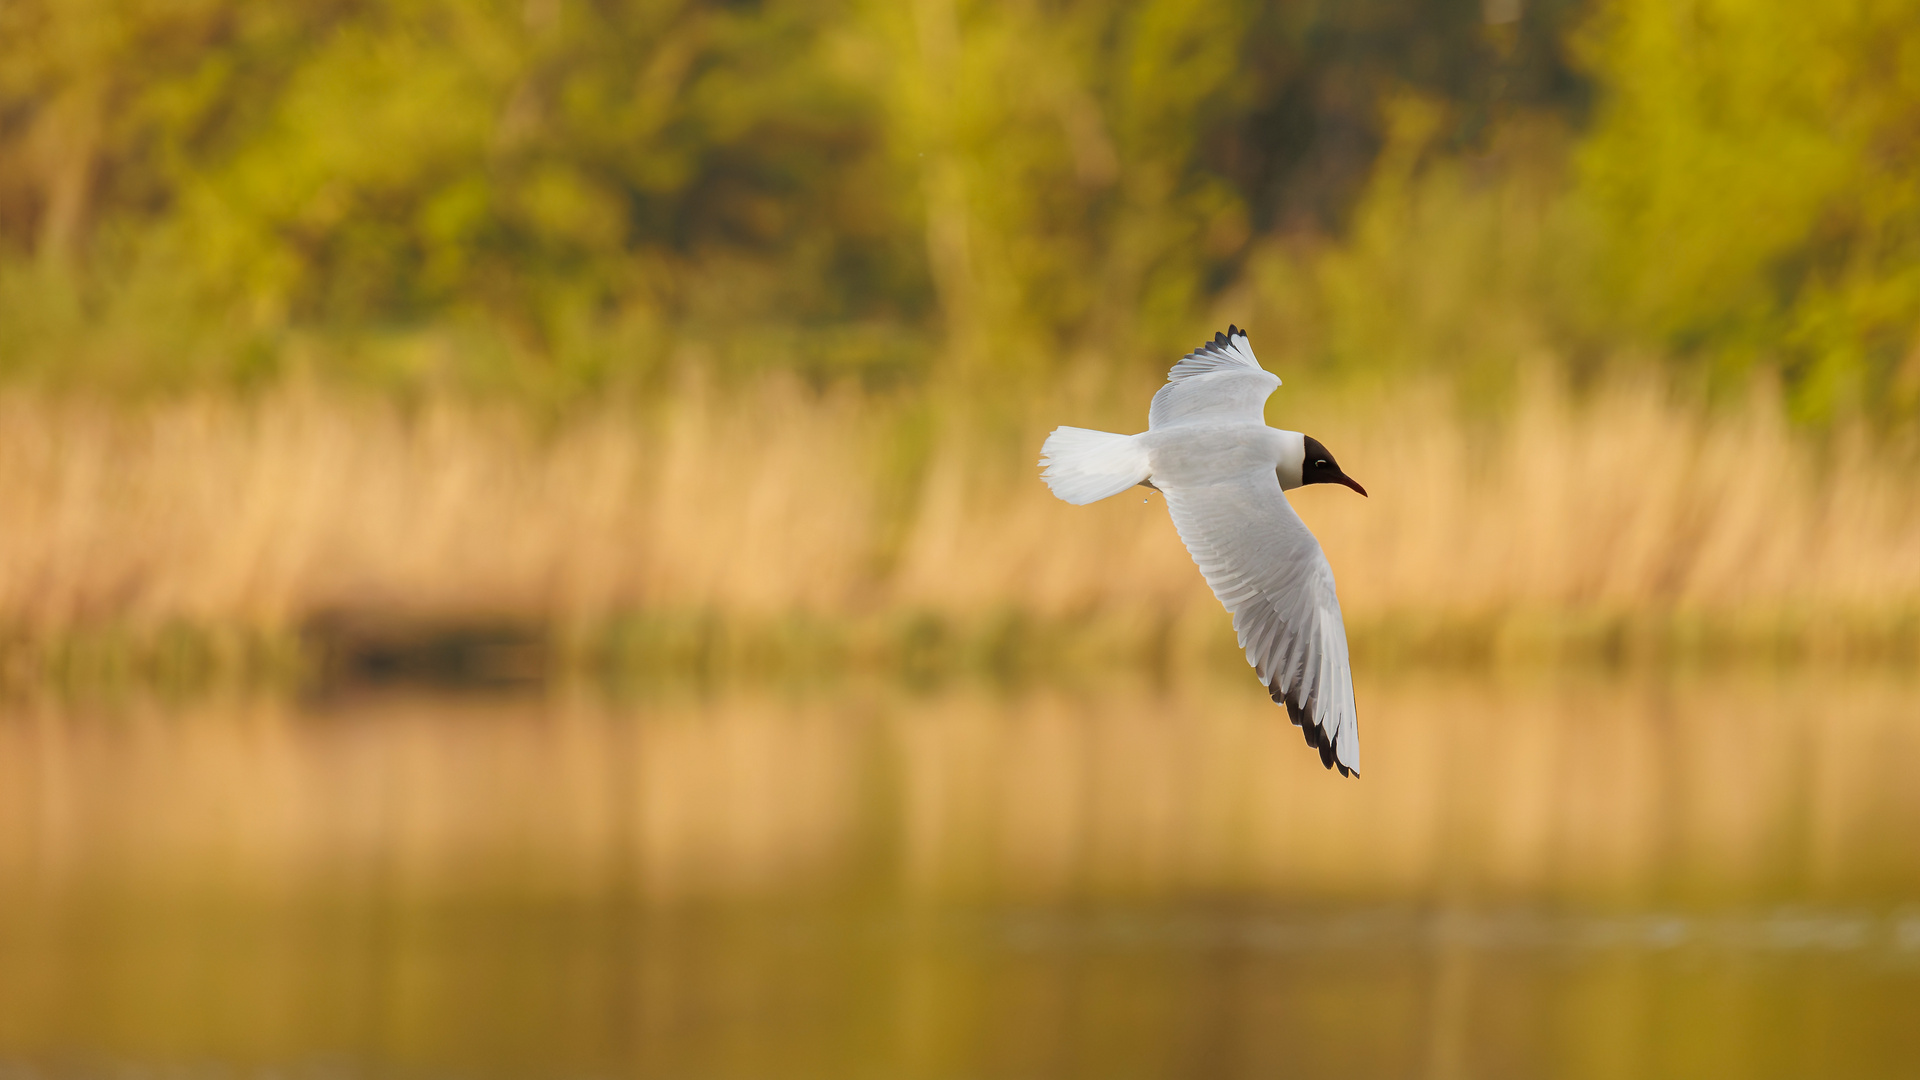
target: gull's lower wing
1268 570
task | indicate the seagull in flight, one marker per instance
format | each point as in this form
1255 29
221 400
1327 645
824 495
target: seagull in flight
1209 451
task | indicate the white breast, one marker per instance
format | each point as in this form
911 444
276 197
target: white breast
1198 454
1292 463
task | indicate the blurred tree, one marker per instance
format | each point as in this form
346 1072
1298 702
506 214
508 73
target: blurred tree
1757 172
1095 173
866 187
1319 78
353 163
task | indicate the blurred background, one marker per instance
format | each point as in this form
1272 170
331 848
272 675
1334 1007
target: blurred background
521 554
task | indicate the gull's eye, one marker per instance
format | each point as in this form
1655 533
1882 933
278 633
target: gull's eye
1321 464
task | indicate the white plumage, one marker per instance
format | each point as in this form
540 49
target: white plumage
1208 449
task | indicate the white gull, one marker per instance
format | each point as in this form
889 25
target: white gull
1209 451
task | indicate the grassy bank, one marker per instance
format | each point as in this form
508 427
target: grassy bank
777 530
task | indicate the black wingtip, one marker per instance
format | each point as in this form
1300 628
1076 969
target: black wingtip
1234 331
1315 736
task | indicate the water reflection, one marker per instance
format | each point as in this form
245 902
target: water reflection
1567 877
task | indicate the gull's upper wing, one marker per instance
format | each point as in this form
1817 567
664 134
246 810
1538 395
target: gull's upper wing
1217 382
1269 571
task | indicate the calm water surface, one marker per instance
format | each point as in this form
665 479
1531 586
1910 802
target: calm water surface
1568 877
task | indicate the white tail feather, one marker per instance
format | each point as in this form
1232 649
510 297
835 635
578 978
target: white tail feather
1084 466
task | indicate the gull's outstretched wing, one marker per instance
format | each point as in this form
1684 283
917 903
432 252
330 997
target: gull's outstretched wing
1217 382
1269 571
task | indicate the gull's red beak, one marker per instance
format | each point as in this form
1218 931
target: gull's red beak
1352 483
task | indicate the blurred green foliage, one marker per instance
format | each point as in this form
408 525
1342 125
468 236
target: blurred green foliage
562 196
546 170
1757 168
556 190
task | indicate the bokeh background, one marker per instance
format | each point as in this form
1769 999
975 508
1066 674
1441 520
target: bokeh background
521 555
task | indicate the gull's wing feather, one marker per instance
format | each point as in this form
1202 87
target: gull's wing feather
1219 381
1269 571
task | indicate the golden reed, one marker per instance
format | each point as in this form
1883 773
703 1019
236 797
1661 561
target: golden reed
1621 523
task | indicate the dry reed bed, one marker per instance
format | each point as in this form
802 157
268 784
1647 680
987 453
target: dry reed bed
263 516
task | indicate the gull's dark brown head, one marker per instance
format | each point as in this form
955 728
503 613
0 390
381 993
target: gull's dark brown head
1320 468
